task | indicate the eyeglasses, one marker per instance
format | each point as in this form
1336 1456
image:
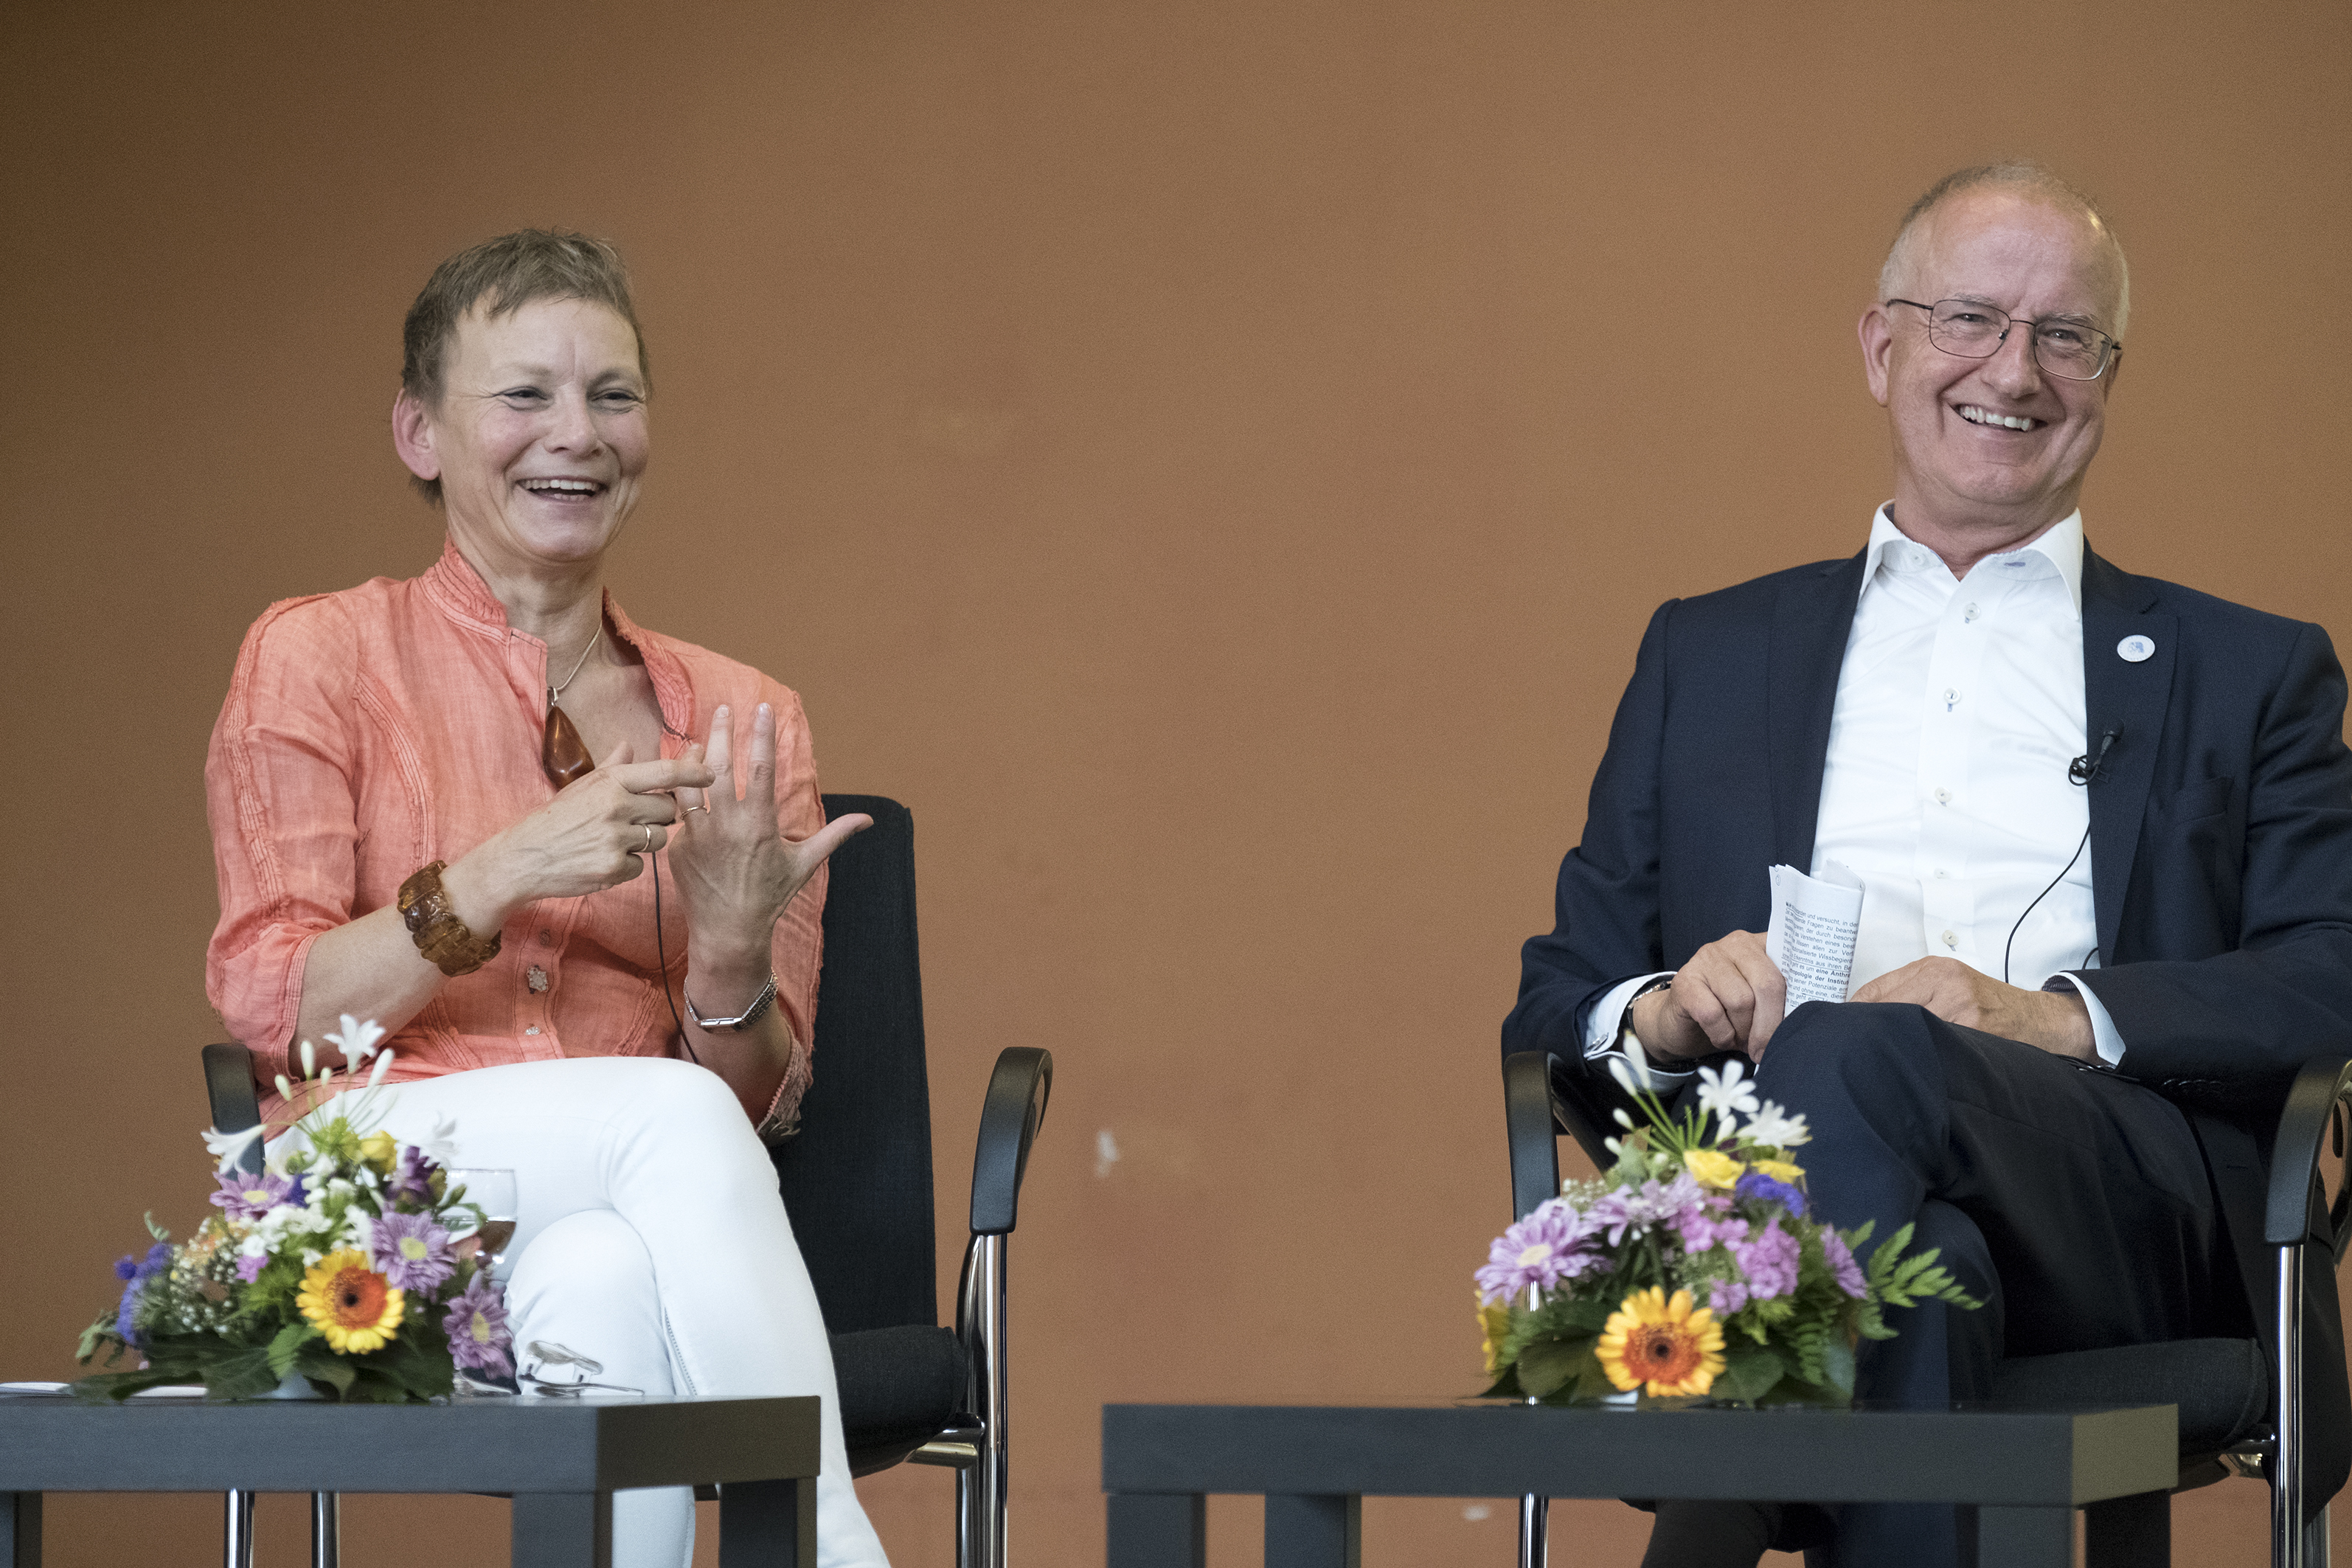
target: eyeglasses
1972 330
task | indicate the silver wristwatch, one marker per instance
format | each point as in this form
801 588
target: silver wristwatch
743 1020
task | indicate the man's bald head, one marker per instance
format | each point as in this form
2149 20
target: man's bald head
1895 279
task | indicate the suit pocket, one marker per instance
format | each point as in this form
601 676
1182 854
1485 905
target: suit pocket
2206 797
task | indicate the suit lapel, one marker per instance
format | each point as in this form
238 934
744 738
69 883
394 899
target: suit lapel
1809 631
2121 694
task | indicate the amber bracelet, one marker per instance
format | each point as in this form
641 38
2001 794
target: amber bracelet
445 939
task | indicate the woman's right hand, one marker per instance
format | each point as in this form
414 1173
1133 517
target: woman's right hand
589 838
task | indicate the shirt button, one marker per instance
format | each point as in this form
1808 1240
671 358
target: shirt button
1952 698
537 978
1951 940
1941 875
547 939
532 1031
1971 614
1943 797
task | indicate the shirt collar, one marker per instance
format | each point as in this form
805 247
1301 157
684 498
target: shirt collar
465 599
2061 544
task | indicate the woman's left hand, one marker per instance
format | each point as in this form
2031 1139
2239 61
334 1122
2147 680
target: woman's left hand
735 872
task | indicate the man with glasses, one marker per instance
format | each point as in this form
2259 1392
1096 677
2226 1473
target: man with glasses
2102 826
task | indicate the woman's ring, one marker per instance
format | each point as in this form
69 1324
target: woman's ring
649 840
696 808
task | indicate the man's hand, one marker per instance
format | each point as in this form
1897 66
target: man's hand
1729 997
2056 1021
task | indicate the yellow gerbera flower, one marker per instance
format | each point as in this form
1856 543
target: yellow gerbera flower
1713 1167
356 1310
1661 1345
1781 1171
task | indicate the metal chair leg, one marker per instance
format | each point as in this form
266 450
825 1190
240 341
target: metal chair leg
981 1485
326 1529
2288 1536
236 1532
2314 1542
1535 1526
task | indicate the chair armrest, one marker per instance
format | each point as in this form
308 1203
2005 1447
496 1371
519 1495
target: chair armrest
1529 1119
1009 1120
236 1106
2322 1084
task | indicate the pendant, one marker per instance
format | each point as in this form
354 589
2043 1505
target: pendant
561 753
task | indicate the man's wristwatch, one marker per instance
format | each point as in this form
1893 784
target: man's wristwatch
1627 1040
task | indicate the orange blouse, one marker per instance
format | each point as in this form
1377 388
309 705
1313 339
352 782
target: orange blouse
371 731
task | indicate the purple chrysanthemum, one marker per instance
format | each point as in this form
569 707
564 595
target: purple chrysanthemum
413 1251
1843 1268
1543 1248
1769 1262
411 1178
477 1325
249 1197
135 1272
1761 1188
250 1267
1726 1297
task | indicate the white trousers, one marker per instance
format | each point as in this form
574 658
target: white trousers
650 1238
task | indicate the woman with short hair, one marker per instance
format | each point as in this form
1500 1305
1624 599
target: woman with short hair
434 803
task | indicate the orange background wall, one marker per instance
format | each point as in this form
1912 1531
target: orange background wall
1211 460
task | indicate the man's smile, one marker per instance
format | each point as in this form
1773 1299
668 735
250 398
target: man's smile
1975 416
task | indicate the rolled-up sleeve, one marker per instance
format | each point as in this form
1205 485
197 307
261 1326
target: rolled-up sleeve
279 792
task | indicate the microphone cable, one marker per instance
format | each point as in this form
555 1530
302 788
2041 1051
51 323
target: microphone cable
2081 771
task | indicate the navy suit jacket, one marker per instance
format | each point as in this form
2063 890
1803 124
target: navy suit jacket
2221 820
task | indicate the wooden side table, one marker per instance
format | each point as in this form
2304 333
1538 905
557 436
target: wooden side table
2024 1471
562 1459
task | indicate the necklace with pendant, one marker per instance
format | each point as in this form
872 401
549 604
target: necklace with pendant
561 753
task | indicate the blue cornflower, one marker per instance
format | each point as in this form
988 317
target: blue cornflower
1761 1188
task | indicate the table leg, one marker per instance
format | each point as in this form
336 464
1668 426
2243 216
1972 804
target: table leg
768 1524
2121 1531
1314 1531
2025 1537
563 1529
1158 1529
20 1530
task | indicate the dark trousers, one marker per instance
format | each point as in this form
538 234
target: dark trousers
2073 1203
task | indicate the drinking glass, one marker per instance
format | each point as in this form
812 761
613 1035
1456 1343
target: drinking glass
493 1191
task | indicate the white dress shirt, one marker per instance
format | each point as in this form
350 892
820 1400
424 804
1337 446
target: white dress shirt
1959 708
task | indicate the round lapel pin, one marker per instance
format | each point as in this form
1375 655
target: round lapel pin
2134 648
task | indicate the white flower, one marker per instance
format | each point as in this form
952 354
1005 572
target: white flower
310 1060
1776 1129
357 1040
1632 1075
382 1066
440 1144
229 1148
1723 1095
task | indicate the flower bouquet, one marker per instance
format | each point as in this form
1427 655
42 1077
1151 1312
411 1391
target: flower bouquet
1692 1269
333 1274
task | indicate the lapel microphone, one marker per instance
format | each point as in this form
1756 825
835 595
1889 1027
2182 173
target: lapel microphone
2085 768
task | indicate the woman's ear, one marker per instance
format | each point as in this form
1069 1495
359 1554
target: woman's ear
412 435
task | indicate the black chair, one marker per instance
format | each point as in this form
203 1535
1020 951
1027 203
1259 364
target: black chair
857 1181
2271 1403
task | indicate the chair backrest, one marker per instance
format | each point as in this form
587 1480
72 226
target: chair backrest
856 1178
